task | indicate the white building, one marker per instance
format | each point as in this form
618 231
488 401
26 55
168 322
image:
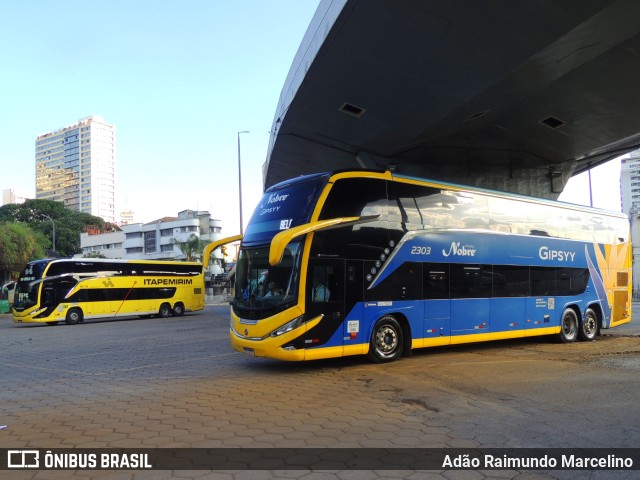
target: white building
11 196
107 244
76 165
630 182
157 240
630 190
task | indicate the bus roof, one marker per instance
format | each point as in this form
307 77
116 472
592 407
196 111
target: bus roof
389 175
119 261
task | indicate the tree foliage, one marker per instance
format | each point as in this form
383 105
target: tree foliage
192 248
44 215
18 245
93 255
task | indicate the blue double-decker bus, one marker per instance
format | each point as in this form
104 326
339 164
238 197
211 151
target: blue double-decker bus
377 264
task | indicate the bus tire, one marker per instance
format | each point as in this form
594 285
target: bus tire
74 315
178 310
165 310
589 326
569 326
387 341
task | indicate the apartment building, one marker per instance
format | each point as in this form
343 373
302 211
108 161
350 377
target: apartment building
630 182
76 165
630 191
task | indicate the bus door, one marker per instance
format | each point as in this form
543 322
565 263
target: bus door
509 302
470 298
94 302
437 305
541 306
325 296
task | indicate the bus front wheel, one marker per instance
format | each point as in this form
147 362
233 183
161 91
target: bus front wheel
165 310
589 325
569 326
387 342
74 315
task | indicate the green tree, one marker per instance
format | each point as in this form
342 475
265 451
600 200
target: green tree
192 248
45 215
18 245
93 255
223 251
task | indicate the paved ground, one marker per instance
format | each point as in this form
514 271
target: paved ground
177 383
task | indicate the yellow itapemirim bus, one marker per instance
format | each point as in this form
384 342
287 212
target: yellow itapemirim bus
73 290
376 263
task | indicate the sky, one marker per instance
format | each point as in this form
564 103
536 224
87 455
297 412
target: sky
178 80
605 187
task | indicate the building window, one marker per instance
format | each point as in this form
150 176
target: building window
150 242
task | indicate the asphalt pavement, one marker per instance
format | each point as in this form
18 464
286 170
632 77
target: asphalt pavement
176 383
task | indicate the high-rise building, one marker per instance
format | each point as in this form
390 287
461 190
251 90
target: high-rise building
76 165
630 182
630 189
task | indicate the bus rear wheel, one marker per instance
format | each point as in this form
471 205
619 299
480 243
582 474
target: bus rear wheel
589 325
74 315
569 326
387 341
165 310
178 310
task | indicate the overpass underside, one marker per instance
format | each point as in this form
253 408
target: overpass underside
515 96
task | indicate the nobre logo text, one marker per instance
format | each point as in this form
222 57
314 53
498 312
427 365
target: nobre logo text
275 197
460 251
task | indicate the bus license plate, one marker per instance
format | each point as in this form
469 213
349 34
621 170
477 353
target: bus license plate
248 351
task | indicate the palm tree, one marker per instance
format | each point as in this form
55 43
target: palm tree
192 248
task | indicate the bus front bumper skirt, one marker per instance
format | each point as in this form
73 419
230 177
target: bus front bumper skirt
271 346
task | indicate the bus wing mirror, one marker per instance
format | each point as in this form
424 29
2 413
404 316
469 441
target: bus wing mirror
282 239
206 254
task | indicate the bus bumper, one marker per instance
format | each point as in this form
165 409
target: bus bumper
269 346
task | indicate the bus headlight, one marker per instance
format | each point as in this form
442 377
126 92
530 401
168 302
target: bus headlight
287 327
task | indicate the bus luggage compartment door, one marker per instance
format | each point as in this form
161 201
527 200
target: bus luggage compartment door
437 323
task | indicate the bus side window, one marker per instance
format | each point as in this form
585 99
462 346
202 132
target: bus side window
326 286
471 281
436 281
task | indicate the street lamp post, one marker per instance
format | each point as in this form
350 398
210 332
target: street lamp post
54 230
240 183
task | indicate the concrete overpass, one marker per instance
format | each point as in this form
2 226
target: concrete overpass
511 95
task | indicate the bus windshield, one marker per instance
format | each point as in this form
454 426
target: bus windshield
283 206
262 290
26 294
